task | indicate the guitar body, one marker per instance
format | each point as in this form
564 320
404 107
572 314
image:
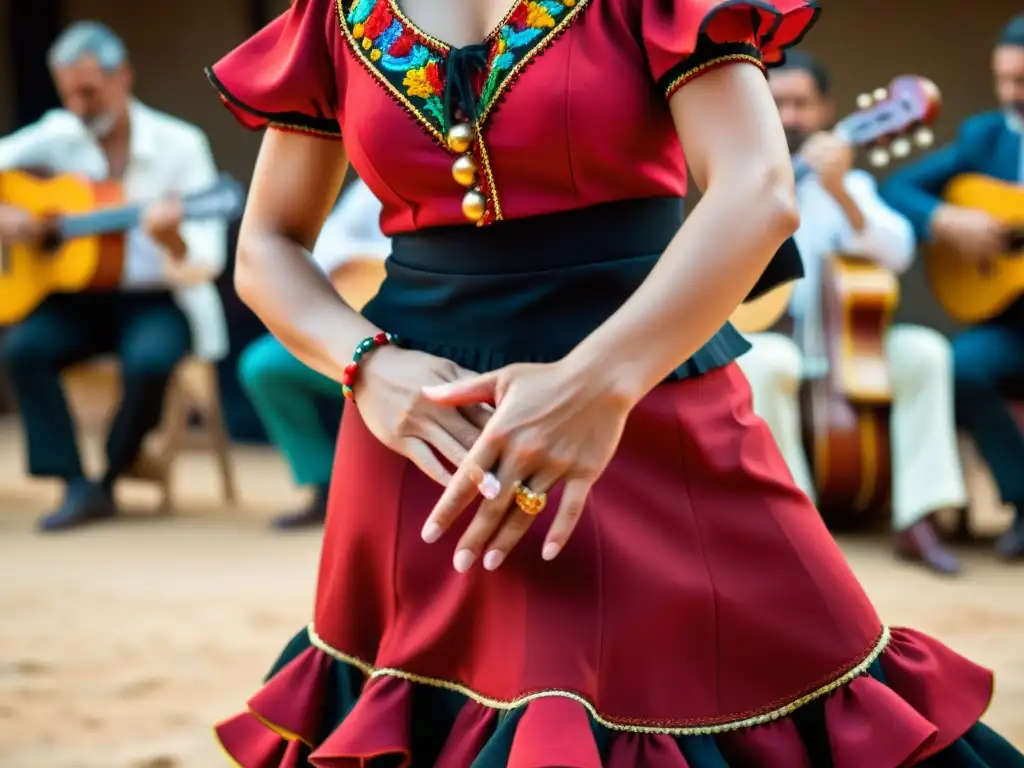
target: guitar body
968 292
27 274
763 312
358 280
846 413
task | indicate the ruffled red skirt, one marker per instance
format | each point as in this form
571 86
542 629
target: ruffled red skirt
701 615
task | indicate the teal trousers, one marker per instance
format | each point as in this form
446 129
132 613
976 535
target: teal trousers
287 396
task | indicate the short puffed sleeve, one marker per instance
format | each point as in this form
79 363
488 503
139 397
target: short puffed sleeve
285 75
686 38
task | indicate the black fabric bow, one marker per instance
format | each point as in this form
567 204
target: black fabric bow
461 66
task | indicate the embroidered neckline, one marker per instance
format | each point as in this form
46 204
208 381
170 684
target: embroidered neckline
410 64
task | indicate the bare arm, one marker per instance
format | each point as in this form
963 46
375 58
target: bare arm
294 186
736 149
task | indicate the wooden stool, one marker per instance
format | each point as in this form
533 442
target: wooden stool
194 391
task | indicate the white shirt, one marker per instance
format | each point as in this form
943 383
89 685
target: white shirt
166 155
352 230
887 238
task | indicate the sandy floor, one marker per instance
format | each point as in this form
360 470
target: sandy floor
120 645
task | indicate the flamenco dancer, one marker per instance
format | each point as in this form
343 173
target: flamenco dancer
551 542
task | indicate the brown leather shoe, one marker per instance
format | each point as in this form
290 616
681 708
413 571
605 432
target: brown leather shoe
920 543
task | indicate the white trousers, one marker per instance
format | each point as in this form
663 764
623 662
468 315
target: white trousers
926 470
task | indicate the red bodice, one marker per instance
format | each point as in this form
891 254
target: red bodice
570 97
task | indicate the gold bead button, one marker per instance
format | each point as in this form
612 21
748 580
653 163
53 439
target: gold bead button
464 170
460 137
474 205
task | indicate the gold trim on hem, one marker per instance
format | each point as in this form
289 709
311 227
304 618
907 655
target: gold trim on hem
224 751
703 730
690 74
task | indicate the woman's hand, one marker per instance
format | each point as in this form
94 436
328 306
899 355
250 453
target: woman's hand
552 423
389 393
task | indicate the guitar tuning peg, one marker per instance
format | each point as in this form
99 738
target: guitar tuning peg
880 94
878 157
864 101
900 147
924 137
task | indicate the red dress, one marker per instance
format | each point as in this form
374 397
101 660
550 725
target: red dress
701 615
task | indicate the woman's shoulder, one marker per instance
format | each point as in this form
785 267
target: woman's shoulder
687 38
288 74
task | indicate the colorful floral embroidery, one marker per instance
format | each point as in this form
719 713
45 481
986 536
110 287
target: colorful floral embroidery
411 64
407 61
528 25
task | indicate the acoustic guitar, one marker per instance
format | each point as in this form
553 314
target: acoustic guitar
848 391
358 280
762 313
888 123
89 220
969 291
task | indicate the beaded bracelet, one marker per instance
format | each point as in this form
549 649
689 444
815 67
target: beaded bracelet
348 377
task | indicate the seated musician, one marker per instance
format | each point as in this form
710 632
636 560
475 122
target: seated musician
284 391
842 213
166 307
988 356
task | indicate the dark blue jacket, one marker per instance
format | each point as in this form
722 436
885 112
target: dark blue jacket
986 144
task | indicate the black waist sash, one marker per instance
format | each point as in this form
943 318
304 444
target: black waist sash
529 290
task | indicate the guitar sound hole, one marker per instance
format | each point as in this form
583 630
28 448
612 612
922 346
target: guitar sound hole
52 241
1015 241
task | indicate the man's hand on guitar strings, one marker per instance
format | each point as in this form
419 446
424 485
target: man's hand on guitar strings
21 226
973 232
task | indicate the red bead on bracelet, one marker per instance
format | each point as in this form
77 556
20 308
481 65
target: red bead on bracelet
348 376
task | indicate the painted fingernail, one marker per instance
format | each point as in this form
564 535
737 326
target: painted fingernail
431 532
489 486
493 559
550 551
463 560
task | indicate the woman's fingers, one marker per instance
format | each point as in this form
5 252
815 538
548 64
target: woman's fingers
516 522
469 480
478 415
420 454
489 517
458 425
570 510
474 388
452 435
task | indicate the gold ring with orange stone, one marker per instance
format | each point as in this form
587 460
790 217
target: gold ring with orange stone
529 501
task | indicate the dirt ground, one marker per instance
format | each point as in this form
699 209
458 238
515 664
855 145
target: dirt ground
120 645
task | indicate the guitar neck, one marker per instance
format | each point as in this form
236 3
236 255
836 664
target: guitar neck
101 222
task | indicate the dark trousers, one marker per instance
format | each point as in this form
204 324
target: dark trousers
988 362
147 332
